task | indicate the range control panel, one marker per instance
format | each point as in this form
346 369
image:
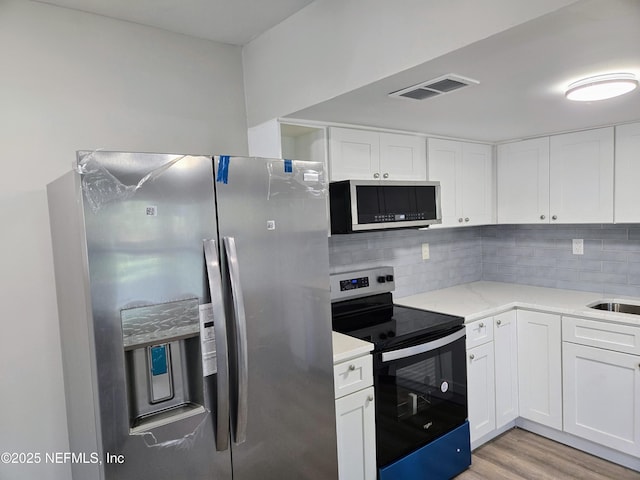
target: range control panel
361 283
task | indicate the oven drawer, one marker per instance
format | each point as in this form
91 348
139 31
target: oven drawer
353 375
479 332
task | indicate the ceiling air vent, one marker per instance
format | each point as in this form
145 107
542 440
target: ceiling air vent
434 87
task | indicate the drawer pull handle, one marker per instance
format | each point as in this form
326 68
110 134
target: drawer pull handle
481 325
498 322
472 356
352 367
370 398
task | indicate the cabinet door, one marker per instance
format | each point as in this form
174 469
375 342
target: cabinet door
402 157
465 172
581 177
523 181
445 161
481 390
354 154
539 368
476 184
602 396
505 347
627 169
355 425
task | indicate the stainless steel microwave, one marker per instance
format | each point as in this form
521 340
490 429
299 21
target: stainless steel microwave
361 205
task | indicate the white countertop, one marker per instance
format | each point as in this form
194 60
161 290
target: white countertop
346 347
482 299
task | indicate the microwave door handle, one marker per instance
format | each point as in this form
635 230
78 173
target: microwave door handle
222 356
240 434
423 347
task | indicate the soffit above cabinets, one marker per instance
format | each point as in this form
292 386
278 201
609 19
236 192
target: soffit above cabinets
236 22
522 74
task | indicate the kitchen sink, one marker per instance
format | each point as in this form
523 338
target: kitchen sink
617 307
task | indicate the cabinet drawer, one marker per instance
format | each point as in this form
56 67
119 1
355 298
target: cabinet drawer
353 375
479 332
597 333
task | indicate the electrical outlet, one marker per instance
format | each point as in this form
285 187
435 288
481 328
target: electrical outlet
425 251
578 246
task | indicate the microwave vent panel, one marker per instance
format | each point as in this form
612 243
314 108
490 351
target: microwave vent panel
434 87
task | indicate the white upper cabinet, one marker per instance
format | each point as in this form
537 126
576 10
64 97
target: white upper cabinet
581 173
560 179
367 155
465 173
353 154
523 181
403 157
627 168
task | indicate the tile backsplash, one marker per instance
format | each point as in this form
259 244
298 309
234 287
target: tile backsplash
542 255
528 254
455 256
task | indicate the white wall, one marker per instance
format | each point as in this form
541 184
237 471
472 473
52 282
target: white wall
72 81
334 46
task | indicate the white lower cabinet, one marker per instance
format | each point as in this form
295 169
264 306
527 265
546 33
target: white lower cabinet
481 390
492 374
539 368
601 386
505 347
355 423
355 419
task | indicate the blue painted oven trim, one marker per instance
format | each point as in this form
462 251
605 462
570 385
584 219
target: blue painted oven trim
442 459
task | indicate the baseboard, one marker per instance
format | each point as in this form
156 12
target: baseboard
478 442
595 449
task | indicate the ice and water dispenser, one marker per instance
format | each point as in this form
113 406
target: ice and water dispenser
164 371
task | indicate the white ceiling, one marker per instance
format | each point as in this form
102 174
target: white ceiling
522 73
228 21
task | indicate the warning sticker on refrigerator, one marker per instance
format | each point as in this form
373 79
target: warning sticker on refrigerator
208 340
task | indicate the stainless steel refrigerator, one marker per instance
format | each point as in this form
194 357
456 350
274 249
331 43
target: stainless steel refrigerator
193 297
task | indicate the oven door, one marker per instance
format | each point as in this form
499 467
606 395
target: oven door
421 393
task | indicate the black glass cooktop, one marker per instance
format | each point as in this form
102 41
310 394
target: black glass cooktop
376 319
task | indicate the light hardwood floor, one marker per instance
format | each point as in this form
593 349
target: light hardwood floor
518 454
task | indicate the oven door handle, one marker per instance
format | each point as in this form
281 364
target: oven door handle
423 347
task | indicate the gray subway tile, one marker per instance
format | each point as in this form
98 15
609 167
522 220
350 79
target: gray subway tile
602 277
615 267
634 233
567 274
536 261
602 234
622 246
580 285
615 289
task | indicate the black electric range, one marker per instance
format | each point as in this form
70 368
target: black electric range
376 319
419 373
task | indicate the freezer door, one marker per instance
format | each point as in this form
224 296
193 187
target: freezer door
149 219
273 227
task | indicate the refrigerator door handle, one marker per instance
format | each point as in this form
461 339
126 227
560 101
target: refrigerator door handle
240 434
222 356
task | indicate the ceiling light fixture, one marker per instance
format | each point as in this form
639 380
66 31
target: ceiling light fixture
601 87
